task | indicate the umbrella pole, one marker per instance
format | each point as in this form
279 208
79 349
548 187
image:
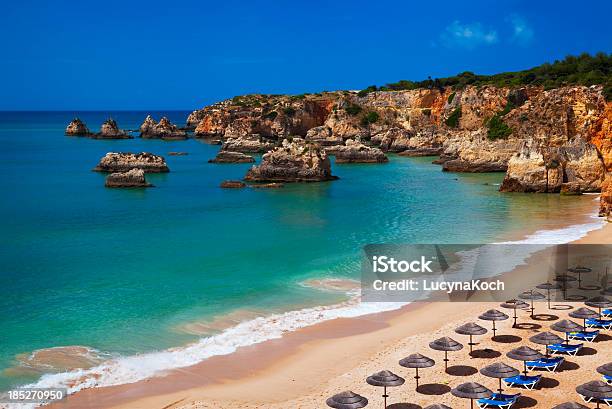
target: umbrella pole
471 345
515 317
548 297
445 361
532 308
500 386
385 396
417 378
525 366
546 351
493 329
471 403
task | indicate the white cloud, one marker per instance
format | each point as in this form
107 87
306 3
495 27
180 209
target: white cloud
468 35
522 33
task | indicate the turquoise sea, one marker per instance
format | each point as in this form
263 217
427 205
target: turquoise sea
127 272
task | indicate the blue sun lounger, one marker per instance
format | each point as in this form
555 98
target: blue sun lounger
607 401
550 364
597 323
588 336
607 313
527 382
569 349
608 379
498 400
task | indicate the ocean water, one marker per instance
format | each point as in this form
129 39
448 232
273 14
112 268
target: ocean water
110 278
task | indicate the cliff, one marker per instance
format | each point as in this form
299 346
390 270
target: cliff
163 129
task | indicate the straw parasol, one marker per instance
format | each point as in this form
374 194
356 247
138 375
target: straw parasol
384 379
531 295
417 361
445 344
584 314
565 279
546 338
599 302
595 389
500 371
515 305
605 369
570 405
579 270
548 286
524 354
566 326
493 315
438 406
471 390
471 329
347 400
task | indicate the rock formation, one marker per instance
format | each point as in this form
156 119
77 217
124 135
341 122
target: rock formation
231 157
249 143
110 130
131 178
356 152
232 184
124 161
163 129
294 161
77 128
178 153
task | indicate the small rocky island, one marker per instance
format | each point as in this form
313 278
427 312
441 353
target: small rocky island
231 157
164 129
76 127
248 143
131 178
356 152
295 161
125 161
110 130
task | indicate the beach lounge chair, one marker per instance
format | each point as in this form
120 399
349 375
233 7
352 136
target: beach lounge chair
569 349
607 313
550 364
527 382
498 400
608 379
607 401
588 336
597 323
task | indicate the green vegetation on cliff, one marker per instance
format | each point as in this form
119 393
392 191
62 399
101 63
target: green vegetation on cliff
584 69
453 119
497 129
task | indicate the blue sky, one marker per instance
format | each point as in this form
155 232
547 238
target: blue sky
64 55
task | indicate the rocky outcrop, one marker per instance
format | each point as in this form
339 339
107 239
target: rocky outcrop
77 128
231 157
131 178
356 152
163 129
125 161
294 161
178 153
232 184
267 185
249 144
110 130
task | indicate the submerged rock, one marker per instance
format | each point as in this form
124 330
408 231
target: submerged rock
231 157
131 178
356 152
124 161
163 129
178 153
110 130
294 161
267 185
77 128
232 184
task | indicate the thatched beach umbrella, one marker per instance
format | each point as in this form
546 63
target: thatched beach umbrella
565 279
515 305
471 329
531 295
417 361
384 379
437 406
546 338
445 344
493 315
605 369
579 270
347 400
570 405
566 326
471 391
548 287
595 389
500 371
599 302
584 314
524 354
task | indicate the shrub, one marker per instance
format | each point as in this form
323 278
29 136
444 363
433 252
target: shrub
271 115
369 118
453 119
364 92
451 97
353 109
607 92
289 111
427 111
497 129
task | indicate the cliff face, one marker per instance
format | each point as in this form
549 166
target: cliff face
546 140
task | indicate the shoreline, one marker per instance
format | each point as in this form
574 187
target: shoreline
194 382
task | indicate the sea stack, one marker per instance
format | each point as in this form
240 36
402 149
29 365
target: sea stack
163 129
125 161
231 157
295 161
131 178
77 128
355 152
110 130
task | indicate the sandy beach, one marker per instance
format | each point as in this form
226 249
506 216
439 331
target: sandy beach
305 367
